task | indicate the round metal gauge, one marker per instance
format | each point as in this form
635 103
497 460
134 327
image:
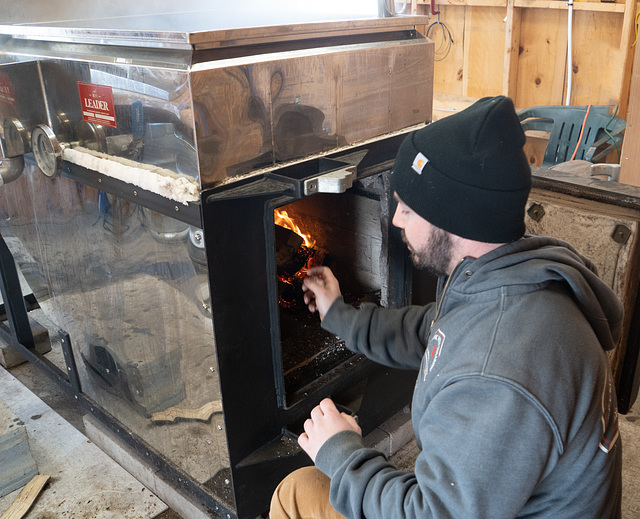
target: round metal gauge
46 150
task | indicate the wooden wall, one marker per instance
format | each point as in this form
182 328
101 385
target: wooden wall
519 48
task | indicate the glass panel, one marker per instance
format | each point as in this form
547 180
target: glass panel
130 288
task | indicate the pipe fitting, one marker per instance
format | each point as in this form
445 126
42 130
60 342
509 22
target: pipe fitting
10 169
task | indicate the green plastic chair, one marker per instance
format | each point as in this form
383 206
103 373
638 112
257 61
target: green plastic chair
602 133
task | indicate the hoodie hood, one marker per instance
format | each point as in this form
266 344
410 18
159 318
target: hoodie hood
534 262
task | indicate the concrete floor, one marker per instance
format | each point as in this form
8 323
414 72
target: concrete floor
70 410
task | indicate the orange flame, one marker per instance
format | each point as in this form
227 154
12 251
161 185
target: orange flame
283 219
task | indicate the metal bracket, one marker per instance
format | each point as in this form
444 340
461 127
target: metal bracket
321 175
335 181
536 212
621 234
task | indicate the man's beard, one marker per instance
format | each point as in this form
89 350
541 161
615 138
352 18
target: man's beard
436 259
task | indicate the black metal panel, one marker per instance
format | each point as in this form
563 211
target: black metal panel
14 304
261 429
237 262
243 328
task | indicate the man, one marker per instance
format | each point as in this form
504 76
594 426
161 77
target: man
514 409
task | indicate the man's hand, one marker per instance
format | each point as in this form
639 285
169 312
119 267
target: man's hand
325 421
321 289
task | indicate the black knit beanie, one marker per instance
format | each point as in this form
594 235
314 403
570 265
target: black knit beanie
467 173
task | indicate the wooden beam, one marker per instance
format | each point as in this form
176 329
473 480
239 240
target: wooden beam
630 163
608 7
466 52
484 51
542 63
628 35
512 51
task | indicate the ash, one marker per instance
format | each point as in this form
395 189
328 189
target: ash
308 351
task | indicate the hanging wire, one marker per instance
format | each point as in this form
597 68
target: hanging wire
441 36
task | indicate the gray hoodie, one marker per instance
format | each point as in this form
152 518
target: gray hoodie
514 408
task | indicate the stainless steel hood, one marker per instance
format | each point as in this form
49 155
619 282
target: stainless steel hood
205 96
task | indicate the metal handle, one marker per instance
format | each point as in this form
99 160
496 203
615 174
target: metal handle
10 169
12 149
334 181
16 138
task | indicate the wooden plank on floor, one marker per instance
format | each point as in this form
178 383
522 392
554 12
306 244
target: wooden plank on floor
25 498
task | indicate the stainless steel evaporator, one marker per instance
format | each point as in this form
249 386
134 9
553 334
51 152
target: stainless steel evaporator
144 151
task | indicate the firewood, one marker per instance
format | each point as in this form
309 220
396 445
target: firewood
288 251
201 414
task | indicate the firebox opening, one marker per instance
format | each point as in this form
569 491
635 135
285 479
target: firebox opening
344 233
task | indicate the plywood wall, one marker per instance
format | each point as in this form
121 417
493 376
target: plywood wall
519 48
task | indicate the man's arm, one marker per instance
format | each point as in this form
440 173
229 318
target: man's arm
321 289
393 337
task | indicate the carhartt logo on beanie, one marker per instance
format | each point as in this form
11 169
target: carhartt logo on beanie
467 173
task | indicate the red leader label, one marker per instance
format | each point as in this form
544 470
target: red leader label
97 104
6 90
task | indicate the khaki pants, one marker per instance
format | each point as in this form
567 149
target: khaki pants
303 494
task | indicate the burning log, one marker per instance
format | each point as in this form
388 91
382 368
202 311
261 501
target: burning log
295 253
290 256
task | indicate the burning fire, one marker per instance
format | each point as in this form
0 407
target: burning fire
293 259
283 219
